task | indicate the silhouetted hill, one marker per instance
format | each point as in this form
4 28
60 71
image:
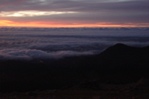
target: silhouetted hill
126 56
119 64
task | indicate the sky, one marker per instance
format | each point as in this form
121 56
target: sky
74 13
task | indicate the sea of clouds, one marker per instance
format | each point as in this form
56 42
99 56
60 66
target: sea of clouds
55 43
31 54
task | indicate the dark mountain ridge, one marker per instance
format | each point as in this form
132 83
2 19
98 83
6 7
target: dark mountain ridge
126 55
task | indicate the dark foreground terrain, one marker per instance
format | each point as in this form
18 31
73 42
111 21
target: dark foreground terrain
120 72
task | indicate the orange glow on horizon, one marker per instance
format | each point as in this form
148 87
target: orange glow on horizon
7 23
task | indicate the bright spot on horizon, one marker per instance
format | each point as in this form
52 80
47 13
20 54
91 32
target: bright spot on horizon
32 13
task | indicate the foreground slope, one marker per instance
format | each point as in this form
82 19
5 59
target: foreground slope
119 64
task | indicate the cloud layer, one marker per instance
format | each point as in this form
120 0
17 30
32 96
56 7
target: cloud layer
32 54
54 43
